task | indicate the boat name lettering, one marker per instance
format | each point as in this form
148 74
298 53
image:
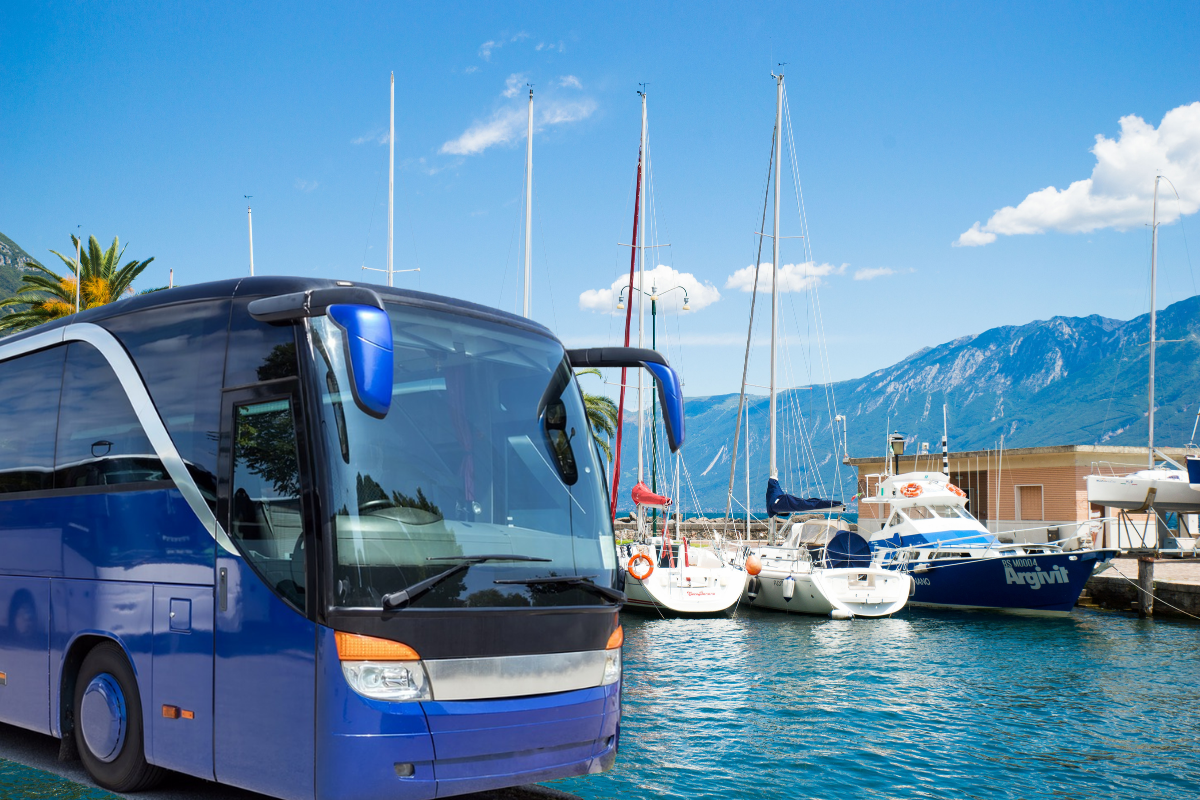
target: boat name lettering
921 581
1036 579
1021 562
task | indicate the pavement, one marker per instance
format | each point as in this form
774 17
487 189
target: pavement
1165 569
41 752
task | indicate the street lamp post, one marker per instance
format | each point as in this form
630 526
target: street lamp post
653 295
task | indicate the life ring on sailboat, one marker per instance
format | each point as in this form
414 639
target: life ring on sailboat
910 490
955 490
649 566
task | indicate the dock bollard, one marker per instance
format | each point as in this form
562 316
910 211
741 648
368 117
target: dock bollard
1146 586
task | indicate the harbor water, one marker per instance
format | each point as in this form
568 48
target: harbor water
925 704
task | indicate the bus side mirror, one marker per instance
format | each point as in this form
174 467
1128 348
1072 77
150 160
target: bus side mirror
670 390
367 332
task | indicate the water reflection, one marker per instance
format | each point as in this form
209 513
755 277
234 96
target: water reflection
930 704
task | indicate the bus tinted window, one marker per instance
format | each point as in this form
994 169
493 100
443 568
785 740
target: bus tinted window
28 414
179 350
265 510
258 352
100 440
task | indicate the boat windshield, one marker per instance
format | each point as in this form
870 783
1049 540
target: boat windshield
486 450
937 512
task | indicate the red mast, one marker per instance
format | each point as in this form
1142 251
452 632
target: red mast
628 314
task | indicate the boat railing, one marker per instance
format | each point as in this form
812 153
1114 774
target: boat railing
1109 469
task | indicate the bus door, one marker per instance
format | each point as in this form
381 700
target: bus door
264 672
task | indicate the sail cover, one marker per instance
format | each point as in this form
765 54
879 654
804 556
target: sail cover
644 497
781 504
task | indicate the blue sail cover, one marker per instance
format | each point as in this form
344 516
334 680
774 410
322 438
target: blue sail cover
781 504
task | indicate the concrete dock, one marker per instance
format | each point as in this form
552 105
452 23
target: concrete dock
1176 587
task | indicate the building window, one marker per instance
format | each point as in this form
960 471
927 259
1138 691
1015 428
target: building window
1029 503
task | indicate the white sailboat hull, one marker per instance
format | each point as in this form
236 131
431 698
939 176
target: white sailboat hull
712 588
840 592
1172 492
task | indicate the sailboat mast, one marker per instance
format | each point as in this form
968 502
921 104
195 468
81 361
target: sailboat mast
391 172
775 263
641 247
637 198
1153 315
528 202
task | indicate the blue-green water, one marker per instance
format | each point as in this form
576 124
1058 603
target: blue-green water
926 704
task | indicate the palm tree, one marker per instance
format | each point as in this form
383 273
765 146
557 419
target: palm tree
601 414
45 295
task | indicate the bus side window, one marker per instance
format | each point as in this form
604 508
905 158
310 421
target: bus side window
265 518
100 439
180 351
28 415
258 352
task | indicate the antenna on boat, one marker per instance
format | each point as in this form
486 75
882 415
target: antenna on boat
250 225
945 444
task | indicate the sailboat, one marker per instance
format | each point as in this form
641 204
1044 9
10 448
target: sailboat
664 574
1157 488
820 569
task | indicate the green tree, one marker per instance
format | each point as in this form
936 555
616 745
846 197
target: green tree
601 414
45 295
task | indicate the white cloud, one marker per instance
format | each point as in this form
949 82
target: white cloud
870 273
792 277
509 124
1119 192
485 49
512 85
373 136
305 186
663 277
471 69
569 82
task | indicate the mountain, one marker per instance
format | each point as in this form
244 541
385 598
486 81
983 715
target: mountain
13 262
1066 380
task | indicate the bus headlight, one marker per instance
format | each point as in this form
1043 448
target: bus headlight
612 666
398 681
382 669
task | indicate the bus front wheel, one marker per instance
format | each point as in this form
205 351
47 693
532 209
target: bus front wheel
108 722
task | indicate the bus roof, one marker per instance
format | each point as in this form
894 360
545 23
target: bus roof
270 285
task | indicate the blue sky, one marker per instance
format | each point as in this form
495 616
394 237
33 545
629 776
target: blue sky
912 123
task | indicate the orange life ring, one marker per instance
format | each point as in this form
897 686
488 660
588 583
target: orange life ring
910 490
955 490
634 560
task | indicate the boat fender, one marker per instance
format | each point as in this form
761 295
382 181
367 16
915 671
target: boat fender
789 588
752 588
911 490
753 565
640 558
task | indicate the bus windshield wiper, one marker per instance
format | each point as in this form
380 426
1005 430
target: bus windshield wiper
407 597
569 581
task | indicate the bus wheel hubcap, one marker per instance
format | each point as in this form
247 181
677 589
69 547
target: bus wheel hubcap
102 717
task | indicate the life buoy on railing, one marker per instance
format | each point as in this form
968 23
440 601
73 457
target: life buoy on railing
649 566
955 490
910 490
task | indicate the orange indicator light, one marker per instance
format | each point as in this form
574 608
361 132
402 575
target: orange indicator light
355 647
617 639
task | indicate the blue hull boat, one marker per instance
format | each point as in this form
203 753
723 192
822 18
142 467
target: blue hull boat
1010 580
956 562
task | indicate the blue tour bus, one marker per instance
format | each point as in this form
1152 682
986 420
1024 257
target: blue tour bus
310 538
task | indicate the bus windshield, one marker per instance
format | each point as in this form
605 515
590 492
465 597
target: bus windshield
485 451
